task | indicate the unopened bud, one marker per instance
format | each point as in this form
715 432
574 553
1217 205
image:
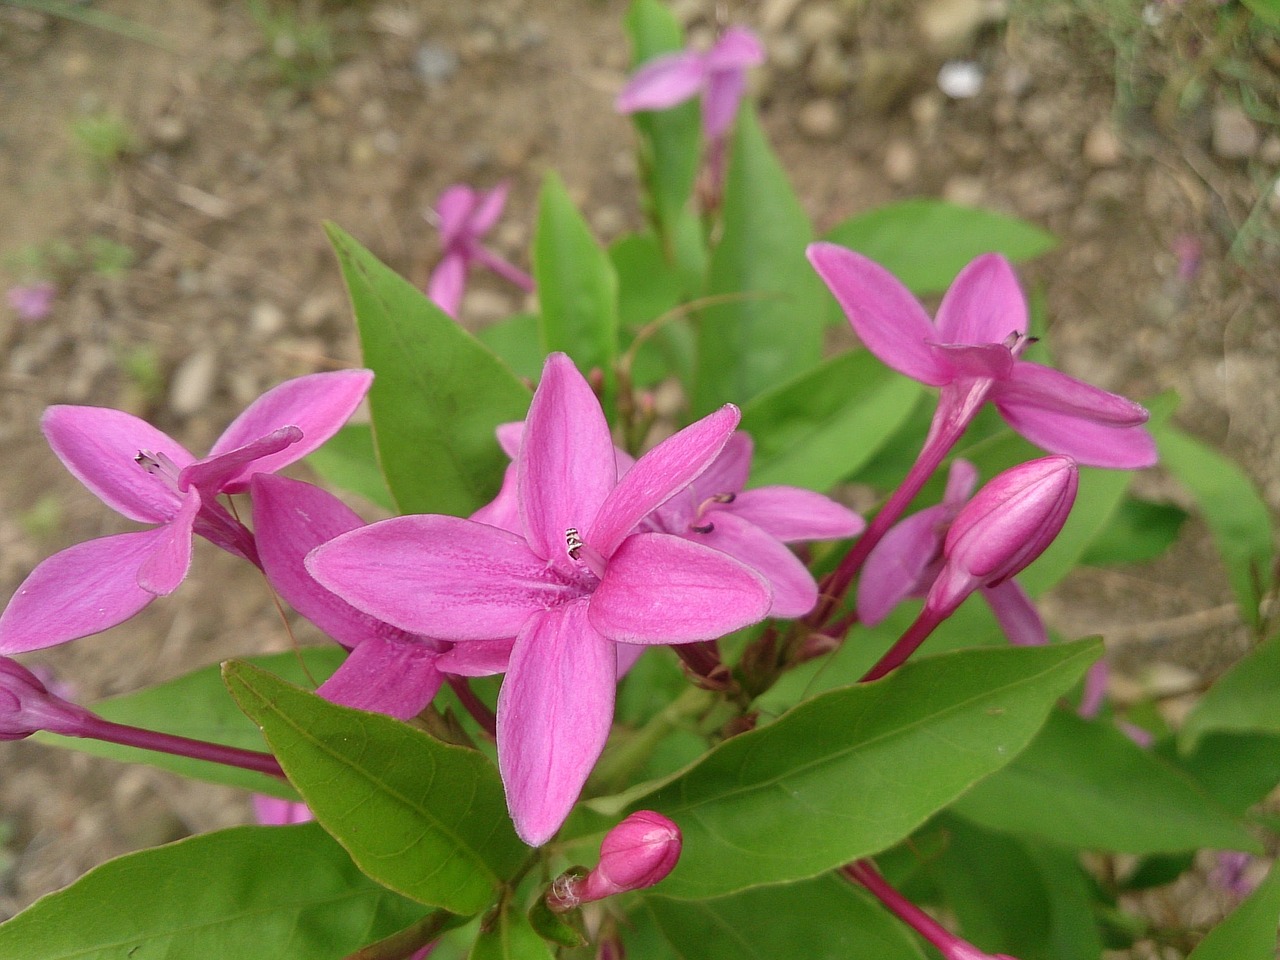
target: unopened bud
1006 525
635 854
27 706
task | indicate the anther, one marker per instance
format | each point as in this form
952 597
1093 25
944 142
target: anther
573 542
702 527
725 497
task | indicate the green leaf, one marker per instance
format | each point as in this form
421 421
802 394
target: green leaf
1250 932
853 771
648 285
1268 11
509 936
253 893
925 243
577 286
670 140
825 918
425 818
1243 699
1237 517
771 330
518 341
1139 531
437 395
197 706
820 427
1085 784
349 462
1238 770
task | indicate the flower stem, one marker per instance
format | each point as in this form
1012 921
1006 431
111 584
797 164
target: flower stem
96 728
865 874
473 705
905 645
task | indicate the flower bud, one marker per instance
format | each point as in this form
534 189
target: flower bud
27 706
635 854
1007 524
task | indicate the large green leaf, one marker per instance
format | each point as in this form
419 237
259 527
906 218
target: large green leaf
1250 932
825 918
196 705
1238 770
1085 784
1239 520
437 394
518 341
770 330
853 771
252 893
1138 532
425 818
670 140
577 286
509 936
820 427
349 461
1243 699
925 243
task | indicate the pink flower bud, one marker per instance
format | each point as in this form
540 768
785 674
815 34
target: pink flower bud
635 854
1007 524
27 706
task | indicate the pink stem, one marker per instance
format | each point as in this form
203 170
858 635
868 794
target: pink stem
905 645
96 728
864 873
502 268
474 706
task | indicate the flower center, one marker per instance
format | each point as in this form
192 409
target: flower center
159 466
701 525
583 553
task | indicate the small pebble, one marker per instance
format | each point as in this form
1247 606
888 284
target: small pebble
819 23
1235 136
1101 145
965 191
193 383
266 318
435 64
900 162
830 71
960 79
820 119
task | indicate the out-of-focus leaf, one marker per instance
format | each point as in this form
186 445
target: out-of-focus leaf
1085 784
853 771
825 918
196 705
350 462
1238 770
517 340
1139 531
1250 932
425 818
1237 517
648 284
1267 11
820 427
1243 700
253 893
437 393
577 287
509 936
925 243
771 329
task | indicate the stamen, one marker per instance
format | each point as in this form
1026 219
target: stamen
702 527
160 466
1018 342
725 497
583 553
573 543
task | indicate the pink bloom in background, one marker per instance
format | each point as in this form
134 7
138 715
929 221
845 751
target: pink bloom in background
463 216
909 558
719 76
973 352
571 586
277 812
32 301
148 476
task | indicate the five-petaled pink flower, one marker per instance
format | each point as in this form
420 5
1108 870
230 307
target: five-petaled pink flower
463 216
575 582
973 352
148 476
719 75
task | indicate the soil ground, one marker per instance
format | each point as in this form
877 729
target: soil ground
221 155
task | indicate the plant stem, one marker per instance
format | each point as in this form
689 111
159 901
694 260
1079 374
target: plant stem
96 728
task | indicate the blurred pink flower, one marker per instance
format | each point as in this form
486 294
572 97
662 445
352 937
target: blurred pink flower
463 216
32 301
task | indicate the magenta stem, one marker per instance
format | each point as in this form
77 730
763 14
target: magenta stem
474 705
906 645
864 873
502 268
96 728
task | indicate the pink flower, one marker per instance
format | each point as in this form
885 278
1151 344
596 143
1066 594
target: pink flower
636 854
569 587
277 812
464 216
27 706
148 476
973 352
32 301
719 76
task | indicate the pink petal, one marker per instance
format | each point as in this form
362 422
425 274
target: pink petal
99 445
1016 614
476 658
728 472
628 654
453 210
566 461
317 404
720 99
503 511
883 313
738 48
1033 385
440 577
962 480
386 675
292 518
992 361
900 564
488 209
277 812
659 475
447 283
510 435
663 589
794 591
170 560
983 305
1095 688
662 83
81 591
793 513
554 715
1092 444
213 473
